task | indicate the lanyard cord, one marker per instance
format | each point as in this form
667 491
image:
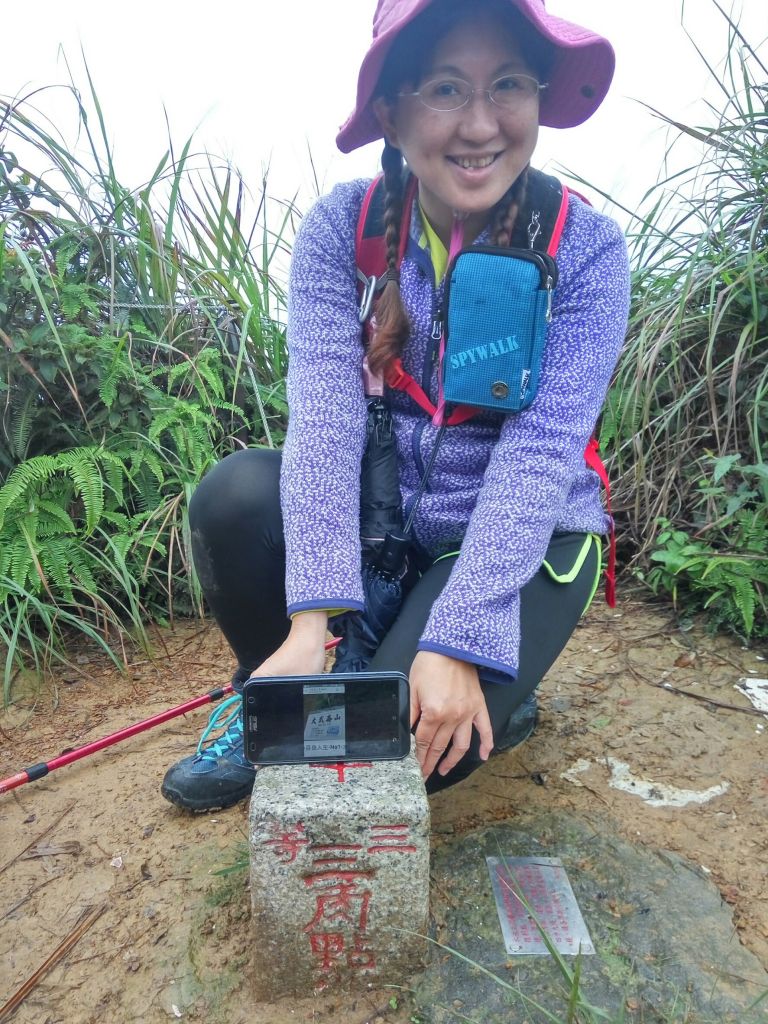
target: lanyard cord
457 240
424 478
439 420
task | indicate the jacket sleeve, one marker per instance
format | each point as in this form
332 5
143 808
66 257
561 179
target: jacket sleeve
539 453
320 476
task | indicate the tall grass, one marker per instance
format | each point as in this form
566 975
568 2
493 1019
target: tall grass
687 414
141 340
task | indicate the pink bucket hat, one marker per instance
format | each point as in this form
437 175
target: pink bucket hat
578 79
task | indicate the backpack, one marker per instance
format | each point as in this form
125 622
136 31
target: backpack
547 197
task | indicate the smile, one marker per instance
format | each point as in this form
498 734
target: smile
473 163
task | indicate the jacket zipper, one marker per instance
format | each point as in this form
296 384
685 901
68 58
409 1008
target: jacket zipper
430 357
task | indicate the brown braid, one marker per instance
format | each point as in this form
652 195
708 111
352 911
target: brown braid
508 210
392 323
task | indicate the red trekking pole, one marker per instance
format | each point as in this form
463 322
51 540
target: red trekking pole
39 771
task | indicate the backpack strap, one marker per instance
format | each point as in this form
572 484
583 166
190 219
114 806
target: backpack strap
593 460
543 214
373 272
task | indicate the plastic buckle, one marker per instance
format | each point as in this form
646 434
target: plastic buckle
396 374
366 299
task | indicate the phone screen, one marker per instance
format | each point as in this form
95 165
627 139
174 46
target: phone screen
355 716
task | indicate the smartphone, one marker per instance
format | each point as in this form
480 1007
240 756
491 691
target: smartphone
350 716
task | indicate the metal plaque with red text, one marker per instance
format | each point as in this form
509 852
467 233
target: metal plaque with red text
542 884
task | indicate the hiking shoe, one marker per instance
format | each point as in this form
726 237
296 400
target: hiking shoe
218 775
520 725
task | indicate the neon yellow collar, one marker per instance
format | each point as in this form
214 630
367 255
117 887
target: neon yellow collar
431 240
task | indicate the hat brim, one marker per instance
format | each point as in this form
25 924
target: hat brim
577 81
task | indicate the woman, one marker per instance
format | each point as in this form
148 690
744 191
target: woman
505 535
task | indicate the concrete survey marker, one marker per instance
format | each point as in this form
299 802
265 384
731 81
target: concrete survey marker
339 875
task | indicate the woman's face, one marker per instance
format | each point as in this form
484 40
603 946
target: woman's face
465 159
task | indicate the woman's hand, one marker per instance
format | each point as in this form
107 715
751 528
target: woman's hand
303 650
447 699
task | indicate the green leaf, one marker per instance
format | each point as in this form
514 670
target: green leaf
724 465
47 370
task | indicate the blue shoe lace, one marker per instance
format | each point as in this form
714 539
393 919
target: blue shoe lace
232 724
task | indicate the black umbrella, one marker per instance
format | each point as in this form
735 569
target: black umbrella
381 510
384 545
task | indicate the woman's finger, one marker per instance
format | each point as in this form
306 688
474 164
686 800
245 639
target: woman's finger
423 737
437 747
459 746
482 722
415 706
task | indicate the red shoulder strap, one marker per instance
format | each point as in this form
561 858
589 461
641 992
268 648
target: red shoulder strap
370 254
370 245
398 379
557 230
593 460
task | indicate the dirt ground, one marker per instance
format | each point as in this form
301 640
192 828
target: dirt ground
95 846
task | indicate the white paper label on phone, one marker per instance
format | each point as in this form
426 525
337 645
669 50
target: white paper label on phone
324 720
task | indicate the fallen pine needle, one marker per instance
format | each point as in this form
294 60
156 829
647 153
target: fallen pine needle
708 700
58 954
695 696
42 835
52 850
29 896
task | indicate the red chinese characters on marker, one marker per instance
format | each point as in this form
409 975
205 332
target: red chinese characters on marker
340 767
287 843
390 839
337 931
339 878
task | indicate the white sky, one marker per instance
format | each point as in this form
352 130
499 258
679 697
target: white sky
268 82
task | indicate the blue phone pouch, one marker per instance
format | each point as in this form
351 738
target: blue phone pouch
498 308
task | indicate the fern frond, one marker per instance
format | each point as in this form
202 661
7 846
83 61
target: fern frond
119 520
65 250
74 297
27 477
208 367
148 459
21 422
82 467
116 475
21 567
179 371
58 519
55 560
744 599
81 571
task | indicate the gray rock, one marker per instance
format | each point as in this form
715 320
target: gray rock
560 704
666 944
339 876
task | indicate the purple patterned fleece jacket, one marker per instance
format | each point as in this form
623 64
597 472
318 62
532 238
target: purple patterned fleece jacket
500 486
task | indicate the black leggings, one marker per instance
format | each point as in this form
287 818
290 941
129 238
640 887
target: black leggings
239 554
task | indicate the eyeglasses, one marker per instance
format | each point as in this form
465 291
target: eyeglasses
511 92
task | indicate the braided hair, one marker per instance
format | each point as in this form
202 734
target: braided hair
507 212
392 323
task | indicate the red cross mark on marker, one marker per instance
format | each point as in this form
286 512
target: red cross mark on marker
341 766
